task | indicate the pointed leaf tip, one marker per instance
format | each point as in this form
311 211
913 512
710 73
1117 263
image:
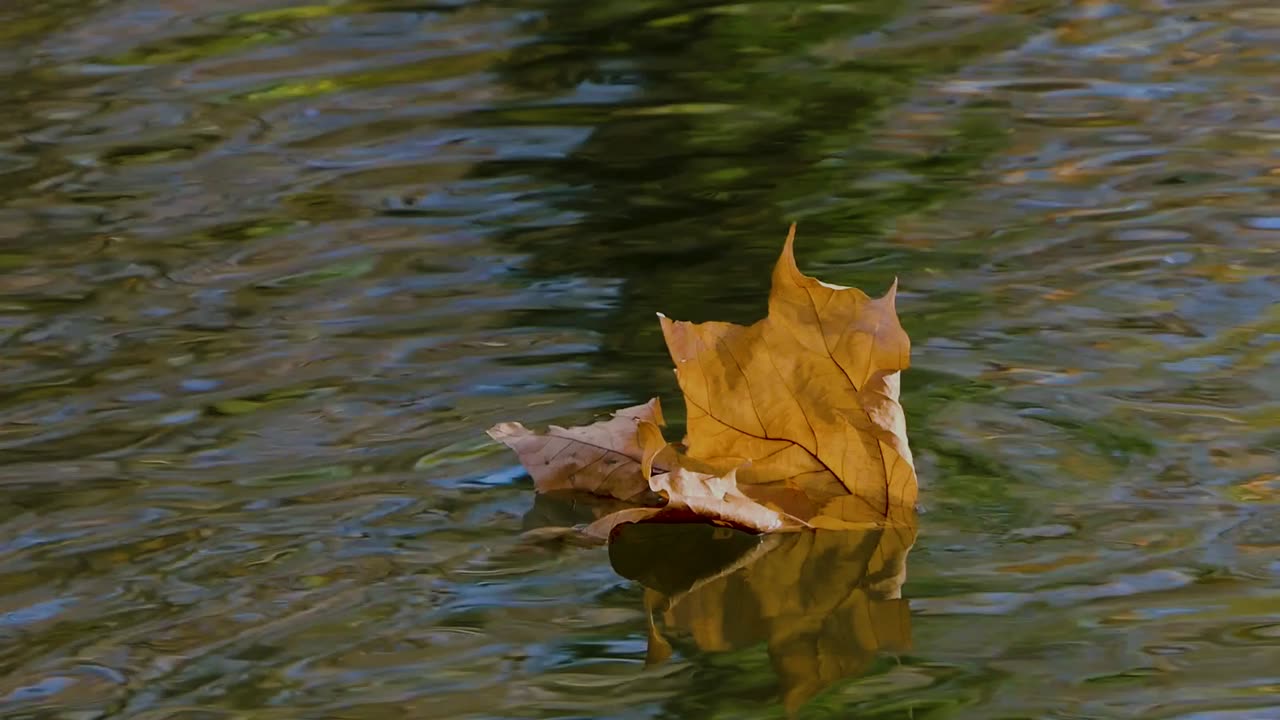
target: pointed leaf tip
786 265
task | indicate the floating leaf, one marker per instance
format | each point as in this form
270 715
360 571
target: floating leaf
808 396
793 422
602 458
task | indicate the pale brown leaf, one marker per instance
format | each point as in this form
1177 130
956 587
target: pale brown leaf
602 458
692 495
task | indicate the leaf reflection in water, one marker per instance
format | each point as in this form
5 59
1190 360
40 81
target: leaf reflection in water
825 602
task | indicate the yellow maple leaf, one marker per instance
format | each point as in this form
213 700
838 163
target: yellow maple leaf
804 403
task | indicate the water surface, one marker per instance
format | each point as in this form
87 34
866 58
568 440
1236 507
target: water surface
268 270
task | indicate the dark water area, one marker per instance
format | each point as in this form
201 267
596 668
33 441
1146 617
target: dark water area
268 270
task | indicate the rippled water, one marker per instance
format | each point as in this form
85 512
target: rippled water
267 271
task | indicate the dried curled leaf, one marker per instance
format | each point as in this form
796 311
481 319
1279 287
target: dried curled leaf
691 495
697 497
602 458
808 397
